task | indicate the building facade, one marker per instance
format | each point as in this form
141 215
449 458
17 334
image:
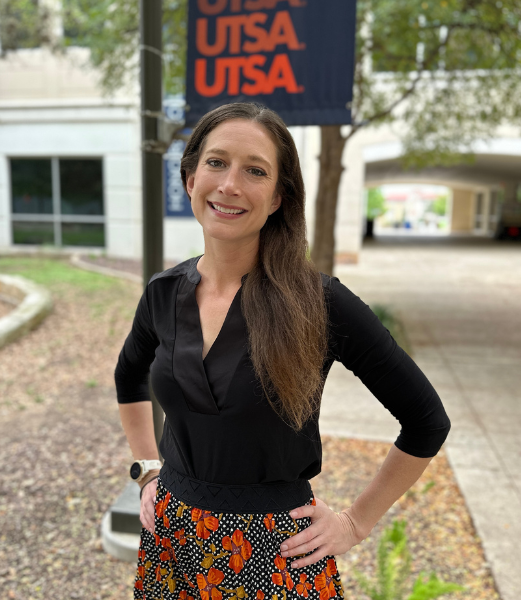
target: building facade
70 168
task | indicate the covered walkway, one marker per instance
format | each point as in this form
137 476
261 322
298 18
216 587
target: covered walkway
459 299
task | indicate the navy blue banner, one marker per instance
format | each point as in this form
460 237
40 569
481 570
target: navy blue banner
177 203
294 56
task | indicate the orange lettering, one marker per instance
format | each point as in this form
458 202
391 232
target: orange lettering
281 76
219 83
251 29
234 25
207 7
201 37
257 75
283 32
234 66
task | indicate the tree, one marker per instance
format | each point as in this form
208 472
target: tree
375 208
375 203
439 206
449 70
23 24
109 28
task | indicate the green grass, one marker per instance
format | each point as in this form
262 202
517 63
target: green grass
53 273
393 325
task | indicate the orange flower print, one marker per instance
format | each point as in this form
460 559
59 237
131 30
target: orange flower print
314 501
158 539
303 586
168 554
324 581
269 521
183 595
240 549
282 578
260 595
180 535
205 522
161 509
207 584
188 580
139 584
158 572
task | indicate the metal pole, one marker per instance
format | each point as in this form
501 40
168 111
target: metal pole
152 162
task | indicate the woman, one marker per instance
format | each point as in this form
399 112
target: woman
239 342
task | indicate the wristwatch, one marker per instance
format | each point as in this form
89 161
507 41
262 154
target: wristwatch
140 468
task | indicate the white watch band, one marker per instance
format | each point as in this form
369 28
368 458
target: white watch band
147 466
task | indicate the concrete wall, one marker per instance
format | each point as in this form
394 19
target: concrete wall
86 129
37 73
462 211
183 238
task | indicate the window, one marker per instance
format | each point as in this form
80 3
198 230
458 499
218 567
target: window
57 201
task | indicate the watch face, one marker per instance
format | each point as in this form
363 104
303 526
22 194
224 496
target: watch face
135 470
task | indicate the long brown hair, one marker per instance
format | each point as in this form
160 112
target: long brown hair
282 298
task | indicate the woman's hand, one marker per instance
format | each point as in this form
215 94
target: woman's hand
330 533
148 498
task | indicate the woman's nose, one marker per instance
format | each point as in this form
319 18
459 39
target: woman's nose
230 185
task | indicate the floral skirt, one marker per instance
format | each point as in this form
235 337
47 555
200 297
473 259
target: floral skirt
197 554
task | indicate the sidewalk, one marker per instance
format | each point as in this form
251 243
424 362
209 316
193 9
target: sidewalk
460 303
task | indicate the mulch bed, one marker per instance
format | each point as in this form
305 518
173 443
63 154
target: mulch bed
65 459
5 308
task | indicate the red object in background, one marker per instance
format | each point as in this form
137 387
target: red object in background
513 231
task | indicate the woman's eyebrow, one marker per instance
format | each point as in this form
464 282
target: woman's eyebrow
216 151
252 157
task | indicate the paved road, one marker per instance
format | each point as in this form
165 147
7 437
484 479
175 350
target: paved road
460 301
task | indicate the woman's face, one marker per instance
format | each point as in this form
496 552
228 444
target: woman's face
237 172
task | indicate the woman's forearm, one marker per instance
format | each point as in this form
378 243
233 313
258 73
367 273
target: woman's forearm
138 424
397 474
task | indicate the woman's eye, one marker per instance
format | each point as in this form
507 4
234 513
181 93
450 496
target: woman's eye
257 172
214 162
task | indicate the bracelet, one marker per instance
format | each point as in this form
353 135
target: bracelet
141 490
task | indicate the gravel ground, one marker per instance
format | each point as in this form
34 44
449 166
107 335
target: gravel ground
5 308
65 459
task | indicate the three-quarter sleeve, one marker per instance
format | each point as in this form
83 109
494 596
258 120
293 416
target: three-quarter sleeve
364 346
136 356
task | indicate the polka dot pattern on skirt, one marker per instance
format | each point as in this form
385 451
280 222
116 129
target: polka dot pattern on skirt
196 554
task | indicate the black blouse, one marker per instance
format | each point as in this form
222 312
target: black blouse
219 428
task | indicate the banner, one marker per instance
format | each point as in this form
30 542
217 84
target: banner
177 203
294 56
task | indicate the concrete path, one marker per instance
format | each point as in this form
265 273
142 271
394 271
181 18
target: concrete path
460 301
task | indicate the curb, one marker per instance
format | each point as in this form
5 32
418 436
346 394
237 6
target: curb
124 546
34 303
76 261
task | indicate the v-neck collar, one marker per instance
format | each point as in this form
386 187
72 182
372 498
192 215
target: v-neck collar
193 275
205 383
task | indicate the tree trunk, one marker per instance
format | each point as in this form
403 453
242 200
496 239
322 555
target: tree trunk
332 147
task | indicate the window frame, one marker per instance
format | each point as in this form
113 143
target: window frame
57 218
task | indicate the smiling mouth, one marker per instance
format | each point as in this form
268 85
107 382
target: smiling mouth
228 211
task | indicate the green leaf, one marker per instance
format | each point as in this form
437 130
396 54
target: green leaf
432 588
